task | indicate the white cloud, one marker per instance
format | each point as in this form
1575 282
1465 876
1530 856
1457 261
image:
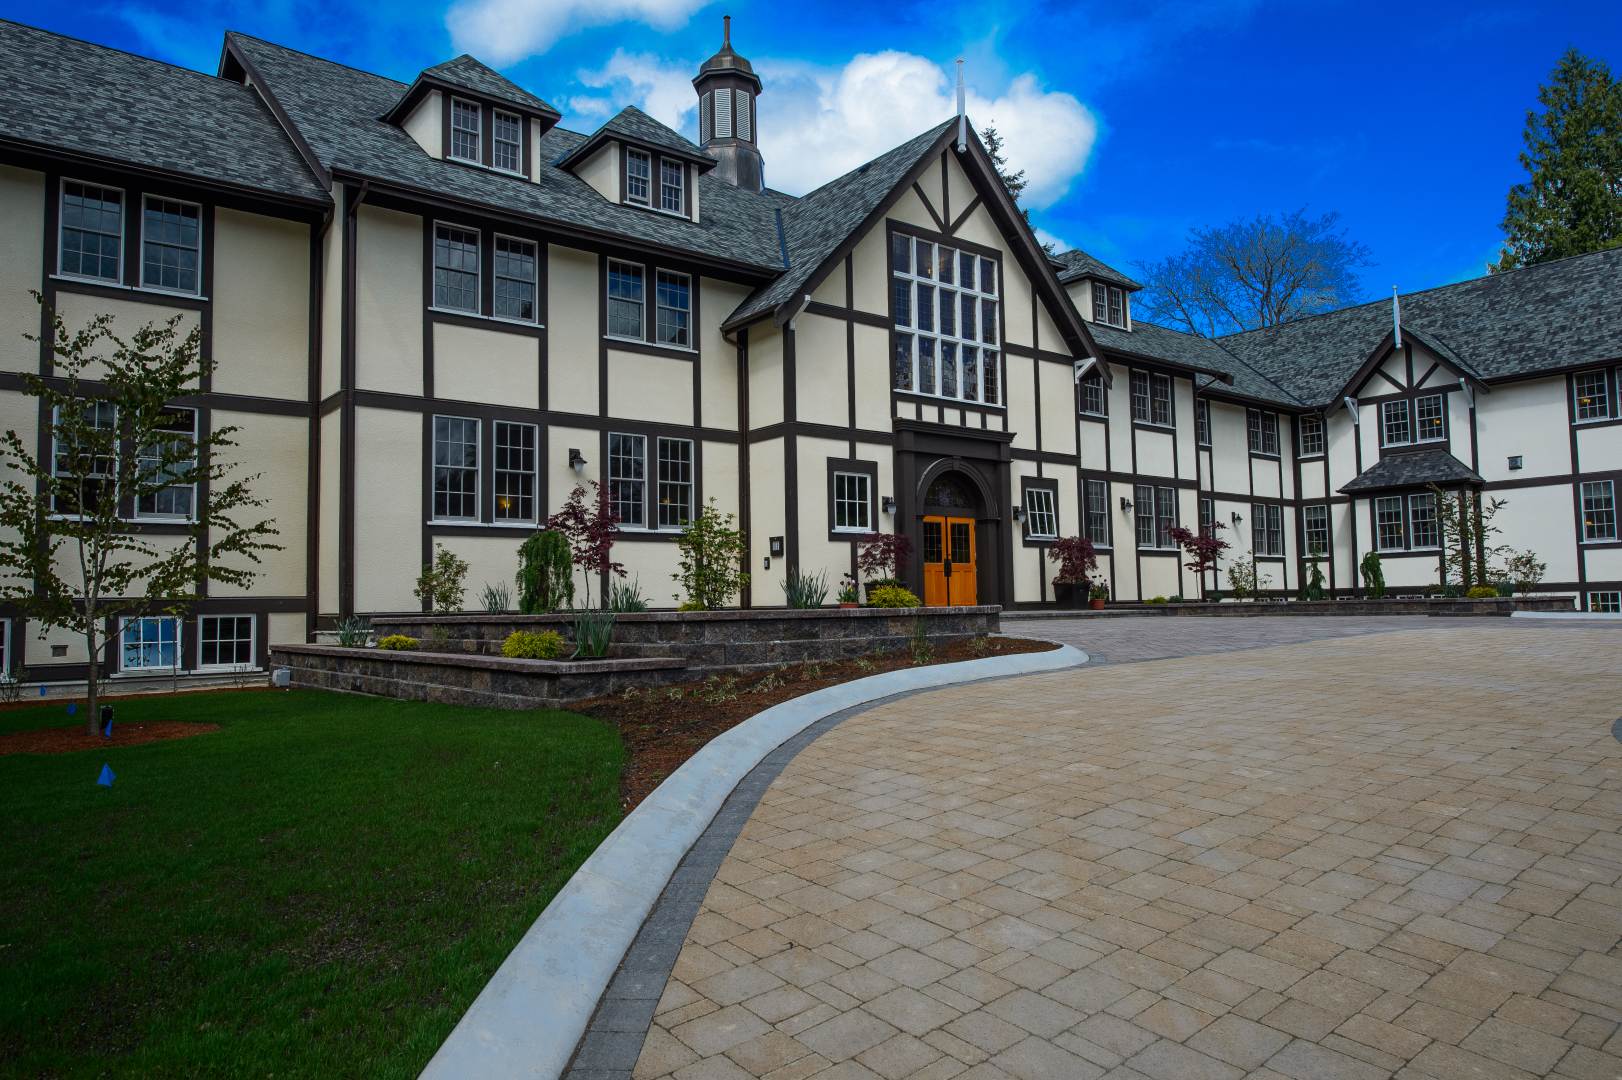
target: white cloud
503 31
662 90
1046 238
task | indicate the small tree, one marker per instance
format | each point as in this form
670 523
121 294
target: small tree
1465 522
70 556
545 573
590 531
1524 569
880 556
711 564
1077 559
1203 548
1373 574
1245 579
442 585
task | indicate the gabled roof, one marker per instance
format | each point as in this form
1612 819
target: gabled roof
1075 264
1150 341
110 106
1412 468
472 74
634 126
338 112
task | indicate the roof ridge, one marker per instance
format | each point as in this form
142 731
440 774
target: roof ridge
170 64
930 132
312 56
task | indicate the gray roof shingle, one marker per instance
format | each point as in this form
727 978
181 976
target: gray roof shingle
1155 342
1412 468
632 123
1076 264
71 95
471 74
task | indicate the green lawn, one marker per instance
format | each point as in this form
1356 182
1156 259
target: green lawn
319 889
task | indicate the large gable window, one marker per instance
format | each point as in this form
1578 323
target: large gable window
945 305
465 130
1430 412
92 231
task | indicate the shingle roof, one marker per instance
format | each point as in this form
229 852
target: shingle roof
336 109
471 74
71 95
1413 469
637 126
816 224
1076 264
1156 342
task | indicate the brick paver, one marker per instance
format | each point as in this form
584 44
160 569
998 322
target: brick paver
1391 854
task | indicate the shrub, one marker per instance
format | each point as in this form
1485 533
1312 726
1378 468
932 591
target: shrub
1155 600
892 596
623 597
804 590
711 563
1524 569
533 645
1373 574
1076 558
497 598
354 632
923 651
545 573
1244 579
440 585
1482 592
398 643
1314 587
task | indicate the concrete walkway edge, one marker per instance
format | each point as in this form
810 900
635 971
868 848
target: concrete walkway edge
529 1017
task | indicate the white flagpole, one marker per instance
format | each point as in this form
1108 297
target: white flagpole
1396 319
962 111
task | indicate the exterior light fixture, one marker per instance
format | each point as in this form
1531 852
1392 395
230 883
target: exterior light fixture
1126 505
1514 461
888 504
1019 513
577 460
1237 519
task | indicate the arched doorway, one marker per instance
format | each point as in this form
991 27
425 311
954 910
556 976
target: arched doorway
951 508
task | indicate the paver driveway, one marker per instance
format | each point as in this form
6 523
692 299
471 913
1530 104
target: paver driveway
1390 854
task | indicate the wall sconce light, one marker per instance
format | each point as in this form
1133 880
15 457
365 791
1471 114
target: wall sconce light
577 460
1126 505
765 562
887 504
1019 513
1237 519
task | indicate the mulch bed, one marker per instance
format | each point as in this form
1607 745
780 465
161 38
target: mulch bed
663 727
65 740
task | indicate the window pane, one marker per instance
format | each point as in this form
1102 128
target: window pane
507 145
1422 527
86 461
1388 522
456 468
1143 515
92 230
902 363
1599 510
625 300
1312 434
638 177
456 269
675 483
464 130
1394 429
672 186
1140 396
515 279
1165 516
949 369
1592 395
171 245
152 642
514 471
171 456
675 309
971 372
926 365
1202 422
991 376
627 478
1041 518
1097 523
227 641
852 505
1430 413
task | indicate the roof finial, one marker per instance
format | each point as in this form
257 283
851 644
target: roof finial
962 111
726 31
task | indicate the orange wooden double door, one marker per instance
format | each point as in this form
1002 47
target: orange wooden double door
949 564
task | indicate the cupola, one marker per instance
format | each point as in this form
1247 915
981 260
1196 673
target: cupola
727 87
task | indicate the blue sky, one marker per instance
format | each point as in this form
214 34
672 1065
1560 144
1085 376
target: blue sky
1135 122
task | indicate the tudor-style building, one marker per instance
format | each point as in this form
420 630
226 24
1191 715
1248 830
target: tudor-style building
435 310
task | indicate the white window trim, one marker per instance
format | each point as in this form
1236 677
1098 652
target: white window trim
118 458
495 115
1616 523
681 169
196 418
688 278
478 471
535 279
478 272
124 622
648 481
1402 523
478 112
1408 411
866 501
123 232
147 197
253 641
1171 401
1610 406
651 469
534 473
1418 429
1093 379
1593 607
608 278
653 176
1202 407
1408 522
1323 437
1052 511
995 346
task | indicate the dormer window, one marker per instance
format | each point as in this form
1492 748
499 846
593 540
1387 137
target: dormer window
1109 304
672 186
507 142
638 177
465 130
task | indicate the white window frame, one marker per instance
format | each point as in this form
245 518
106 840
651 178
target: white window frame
648 179
1577 405
498 277
434 467
1088 487
1318 430
1202 422
477 132
1418 499
1041 509
1109 305
1609 508
1093 384
1307 529
533 473
1611 604
680 210
988 349
141 515
61 228
1151 382
659 482
659 307
123 628
641 458
1267 530
147 199
496 142
1401 523
478 269
864 504
251 663
1419 430
1386 413
56 449
609 298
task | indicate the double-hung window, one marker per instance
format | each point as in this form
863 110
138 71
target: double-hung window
625 299
149 643
628 479
171 245
1151 398
1388 531
1143 517
1608 603
1041 515
1165 516
92 235
1311 435
675 462
171 455
1263 427
945 306
1267 529
465 130
225 641
1094 402
1423 530
1430 414
456 468
672 186
1599 510
507 142
90 469
456 268
1207 515
514 471
673 295
1395 428
1591 396
1109 304
514 279
853 502
1095 522
1202 422
1315 530
638 177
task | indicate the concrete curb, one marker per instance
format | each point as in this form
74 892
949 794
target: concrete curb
1577 616
529 1017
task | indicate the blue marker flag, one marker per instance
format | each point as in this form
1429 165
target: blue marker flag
106 777
73 707
107 732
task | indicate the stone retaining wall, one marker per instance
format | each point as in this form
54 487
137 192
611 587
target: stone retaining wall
1499 606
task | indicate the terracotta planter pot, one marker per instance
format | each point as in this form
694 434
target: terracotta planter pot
1096 605
849 604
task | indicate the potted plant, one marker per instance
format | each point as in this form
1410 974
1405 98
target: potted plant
848 594
1097 594
1077 559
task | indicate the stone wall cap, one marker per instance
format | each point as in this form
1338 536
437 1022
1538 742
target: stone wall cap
725 615
482 662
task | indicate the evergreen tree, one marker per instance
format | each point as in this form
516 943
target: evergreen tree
1572 200
1013 181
